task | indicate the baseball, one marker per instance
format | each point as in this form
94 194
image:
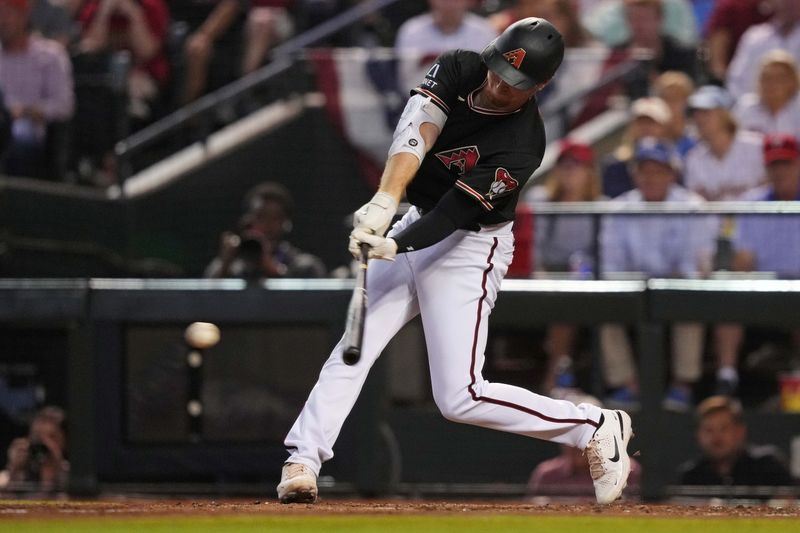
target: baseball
201 335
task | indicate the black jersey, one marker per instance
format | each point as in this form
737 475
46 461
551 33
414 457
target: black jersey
483 153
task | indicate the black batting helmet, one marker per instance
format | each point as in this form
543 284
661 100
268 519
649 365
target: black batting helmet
526 54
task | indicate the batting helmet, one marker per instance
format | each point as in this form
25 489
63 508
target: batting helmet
526 54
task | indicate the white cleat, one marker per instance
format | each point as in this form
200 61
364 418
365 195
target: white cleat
607 453
298 484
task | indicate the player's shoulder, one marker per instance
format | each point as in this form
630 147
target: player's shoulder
463 60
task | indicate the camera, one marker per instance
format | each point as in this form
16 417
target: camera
38 454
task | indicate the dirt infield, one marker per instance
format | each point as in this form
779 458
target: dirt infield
17 509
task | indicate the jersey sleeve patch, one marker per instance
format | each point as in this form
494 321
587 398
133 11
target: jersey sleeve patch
503 183
475 194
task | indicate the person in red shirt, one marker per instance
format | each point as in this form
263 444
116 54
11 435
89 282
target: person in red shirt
140 27
729 20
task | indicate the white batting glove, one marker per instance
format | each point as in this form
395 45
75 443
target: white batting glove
380 247
376 215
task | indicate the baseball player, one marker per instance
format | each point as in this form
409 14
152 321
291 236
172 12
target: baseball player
469 138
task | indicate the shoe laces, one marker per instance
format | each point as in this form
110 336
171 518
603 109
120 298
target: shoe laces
295 469
592 452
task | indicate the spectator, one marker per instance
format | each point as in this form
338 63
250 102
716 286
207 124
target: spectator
658 246
776 106
675 88
136 26
726 457
565 244
651 117
645 21
448 25
38 462
769 243
52 20
727 162
268 23
728 22
566 476
36 80
608 22
259 248
214 46
782 32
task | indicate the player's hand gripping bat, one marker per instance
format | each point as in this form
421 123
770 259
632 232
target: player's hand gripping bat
356 312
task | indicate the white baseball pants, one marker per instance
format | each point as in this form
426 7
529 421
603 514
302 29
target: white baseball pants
453 285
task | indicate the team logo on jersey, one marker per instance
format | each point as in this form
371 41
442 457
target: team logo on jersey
462 160
503 182
515 57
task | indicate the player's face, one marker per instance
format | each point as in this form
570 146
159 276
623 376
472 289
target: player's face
653 179
503 97
720 436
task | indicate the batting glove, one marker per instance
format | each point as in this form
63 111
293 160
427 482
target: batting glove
376 215
380 247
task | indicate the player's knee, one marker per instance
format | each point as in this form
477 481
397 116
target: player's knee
455 407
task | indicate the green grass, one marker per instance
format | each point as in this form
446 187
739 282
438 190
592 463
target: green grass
415 524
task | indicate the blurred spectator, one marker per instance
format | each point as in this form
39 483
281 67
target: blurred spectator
675 88
52 20
214 46
565 244
259 248
650 118
562 13
727 162
448 25
776 106
726 458
136 26
36 80
656 246
728 22
268 23
768 243
566 477
645 21
38 462
609 22
782 32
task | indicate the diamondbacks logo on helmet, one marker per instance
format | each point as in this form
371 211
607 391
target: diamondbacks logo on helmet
462 160
503 182
515 57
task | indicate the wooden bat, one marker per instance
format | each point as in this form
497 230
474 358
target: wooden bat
356 312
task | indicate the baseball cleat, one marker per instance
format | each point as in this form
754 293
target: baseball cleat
298 484
607 453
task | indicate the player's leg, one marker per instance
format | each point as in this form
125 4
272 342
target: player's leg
457 286
456 291
392 303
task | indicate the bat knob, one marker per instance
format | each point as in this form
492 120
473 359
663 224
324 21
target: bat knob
351 356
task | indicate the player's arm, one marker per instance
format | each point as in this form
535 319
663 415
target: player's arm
415 134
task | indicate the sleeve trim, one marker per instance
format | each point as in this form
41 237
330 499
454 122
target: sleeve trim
475 194
438 101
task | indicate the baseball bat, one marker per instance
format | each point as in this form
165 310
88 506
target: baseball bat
356 312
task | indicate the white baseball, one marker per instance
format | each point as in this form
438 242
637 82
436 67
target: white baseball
201 335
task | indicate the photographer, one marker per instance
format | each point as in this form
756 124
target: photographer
37 462
259 249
